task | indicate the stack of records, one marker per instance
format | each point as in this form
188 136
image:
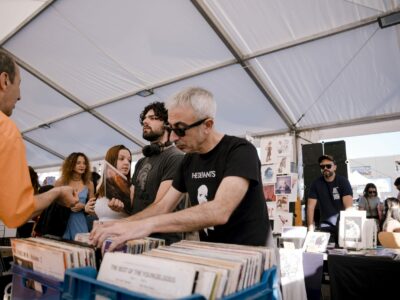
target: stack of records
51 257
137 246
213 270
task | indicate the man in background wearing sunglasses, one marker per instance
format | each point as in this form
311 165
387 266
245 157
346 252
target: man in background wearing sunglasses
221 174
333 193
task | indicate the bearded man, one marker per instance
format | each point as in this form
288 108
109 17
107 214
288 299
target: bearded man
154 172
333 193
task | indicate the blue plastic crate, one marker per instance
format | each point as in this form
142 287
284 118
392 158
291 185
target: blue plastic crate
81 283
51 287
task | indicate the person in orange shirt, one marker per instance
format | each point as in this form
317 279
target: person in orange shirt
17 200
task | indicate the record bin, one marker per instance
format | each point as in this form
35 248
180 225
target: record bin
81 283
24 280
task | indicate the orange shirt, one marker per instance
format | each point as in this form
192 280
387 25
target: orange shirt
17 202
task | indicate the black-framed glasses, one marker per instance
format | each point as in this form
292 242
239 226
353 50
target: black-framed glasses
181 131
372 192
327 166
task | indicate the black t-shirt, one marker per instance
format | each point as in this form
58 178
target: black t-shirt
149 173
201 175
329 196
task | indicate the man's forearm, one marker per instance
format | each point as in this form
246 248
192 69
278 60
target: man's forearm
152 210
45 199
190 219
310 216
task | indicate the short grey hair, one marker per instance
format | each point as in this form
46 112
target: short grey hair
201 100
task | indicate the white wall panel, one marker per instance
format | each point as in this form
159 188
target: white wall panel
125 113
99 51
348 76
13 13
38 157
39 103
118 47
257 25
80 133
241 107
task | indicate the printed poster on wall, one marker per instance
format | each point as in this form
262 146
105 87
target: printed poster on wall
282 219
271 207
269 193
283 165
267 151
283 184
268 174
295 182
282 203
284 146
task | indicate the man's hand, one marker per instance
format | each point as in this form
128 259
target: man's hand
67 196
119 232
89 207
116 205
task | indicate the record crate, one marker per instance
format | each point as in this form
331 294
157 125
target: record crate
81 283
24 282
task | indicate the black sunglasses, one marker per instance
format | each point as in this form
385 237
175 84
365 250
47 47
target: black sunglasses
328 166
371 192
181 131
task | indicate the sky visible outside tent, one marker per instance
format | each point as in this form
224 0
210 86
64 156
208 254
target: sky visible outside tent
372 145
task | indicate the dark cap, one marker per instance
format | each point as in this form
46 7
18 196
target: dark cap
327 157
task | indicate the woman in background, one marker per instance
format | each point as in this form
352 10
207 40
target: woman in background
114 208
371 203
392 215
75 172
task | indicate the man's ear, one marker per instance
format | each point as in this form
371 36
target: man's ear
209 123
3 80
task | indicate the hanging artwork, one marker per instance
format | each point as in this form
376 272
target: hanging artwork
282 203
269 193
267 151
268 174
293 195
284 146
283 166
283 184
282 219
271 207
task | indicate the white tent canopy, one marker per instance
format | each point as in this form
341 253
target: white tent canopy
274 66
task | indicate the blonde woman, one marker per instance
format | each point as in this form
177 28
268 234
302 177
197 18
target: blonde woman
75 172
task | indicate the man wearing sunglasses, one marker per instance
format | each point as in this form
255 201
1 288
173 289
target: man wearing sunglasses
333 193
221 174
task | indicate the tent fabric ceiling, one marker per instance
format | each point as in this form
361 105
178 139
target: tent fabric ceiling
273 66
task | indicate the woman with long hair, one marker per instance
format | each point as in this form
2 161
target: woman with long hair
371 203
75 172
114 194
